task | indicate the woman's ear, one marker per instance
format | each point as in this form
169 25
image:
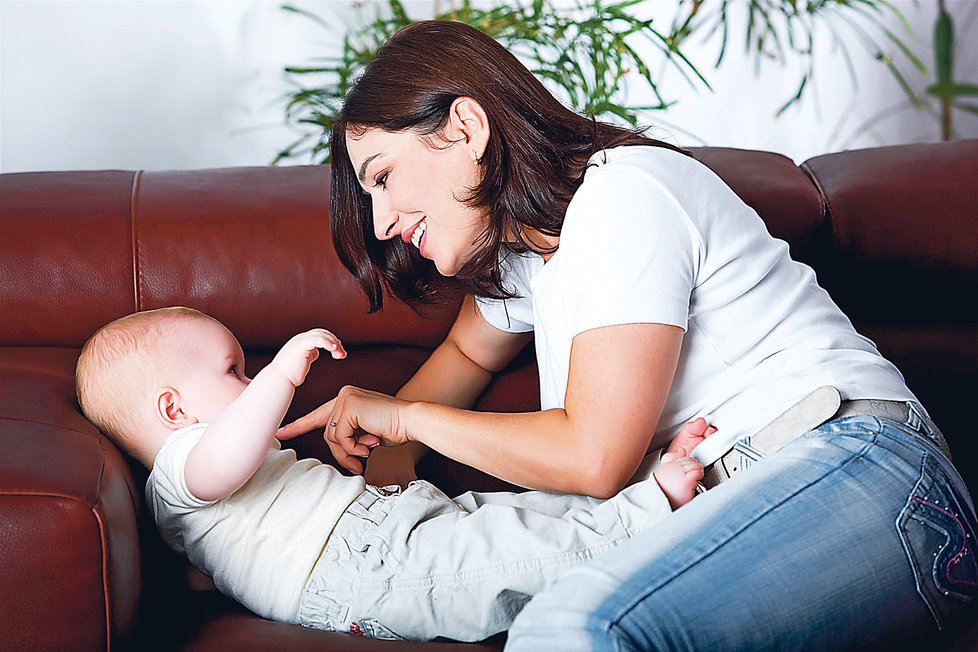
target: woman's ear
468 121
169 409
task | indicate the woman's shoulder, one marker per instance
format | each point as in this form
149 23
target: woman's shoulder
668 167
628 182
635 153
657 182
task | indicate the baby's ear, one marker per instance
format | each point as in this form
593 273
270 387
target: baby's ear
169 409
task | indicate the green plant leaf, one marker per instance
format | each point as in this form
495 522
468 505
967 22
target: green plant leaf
308 14
950 91
620 111
966 106
907 52
795 97
894 10
943 48
304 71
901 80
584 51
400 16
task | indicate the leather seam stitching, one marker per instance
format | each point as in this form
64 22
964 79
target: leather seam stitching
133 213
826 205
105 575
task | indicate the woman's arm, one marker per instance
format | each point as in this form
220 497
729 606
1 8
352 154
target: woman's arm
454 375
618 383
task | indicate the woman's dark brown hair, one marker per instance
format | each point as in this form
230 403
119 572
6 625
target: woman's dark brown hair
533 163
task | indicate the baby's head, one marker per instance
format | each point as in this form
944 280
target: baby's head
143 376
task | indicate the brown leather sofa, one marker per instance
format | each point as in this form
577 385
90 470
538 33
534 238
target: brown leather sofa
891 232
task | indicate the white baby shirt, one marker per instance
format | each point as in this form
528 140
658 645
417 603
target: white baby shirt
654 236
260 543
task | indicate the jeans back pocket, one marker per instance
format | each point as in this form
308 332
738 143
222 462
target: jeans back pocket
937 530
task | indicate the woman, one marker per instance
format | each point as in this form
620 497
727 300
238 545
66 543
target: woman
655 296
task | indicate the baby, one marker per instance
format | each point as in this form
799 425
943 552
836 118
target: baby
296 540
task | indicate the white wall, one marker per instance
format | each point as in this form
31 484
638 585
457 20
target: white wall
834 114
145 84
158 84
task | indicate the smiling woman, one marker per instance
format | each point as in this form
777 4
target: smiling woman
414 188
654 295
436 158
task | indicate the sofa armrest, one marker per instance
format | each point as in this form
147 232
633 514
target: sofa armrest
69 546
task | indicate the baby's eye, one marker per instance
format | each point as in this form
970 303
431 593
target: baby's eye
233 369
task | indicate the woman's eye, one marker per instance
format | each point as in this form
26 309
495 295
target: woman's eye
382 180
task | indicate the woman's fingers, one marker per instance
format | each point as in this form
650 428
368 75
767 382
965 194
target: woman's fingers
300 426
347 455
307 423
348 462
360 421
344 436
346 441
340 437
370 441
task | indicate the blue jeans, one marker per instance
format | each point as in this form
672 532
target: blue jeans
855 533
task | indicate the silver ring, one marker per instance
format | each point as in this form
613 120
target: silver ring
332 424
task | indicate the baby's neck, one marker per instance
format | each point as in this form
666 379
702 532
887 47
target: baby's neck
145 452
148 447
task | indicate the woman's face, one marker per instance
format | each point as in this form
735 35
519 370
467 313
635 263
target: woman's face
416 190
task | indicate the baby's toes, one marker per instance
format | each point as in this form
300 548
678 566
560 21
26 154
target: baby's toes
692 467
696 471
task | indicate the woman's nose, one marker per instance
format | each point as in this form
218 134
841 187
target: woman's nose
386 224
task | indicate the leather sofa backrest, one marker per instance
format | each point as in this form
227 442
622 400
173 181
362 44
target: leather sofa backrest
904 224
250 246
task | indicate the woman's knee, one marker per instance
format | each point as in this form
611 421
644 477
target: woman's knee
569 615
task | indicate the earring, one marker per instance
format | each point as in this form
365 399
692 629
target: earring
475 158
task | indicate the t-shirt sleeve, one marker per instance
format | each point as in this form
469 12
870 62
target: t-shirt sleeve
511 315
166 487
630 251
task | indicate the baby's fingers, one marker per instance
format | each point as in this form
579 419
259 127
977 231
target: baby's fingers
324 339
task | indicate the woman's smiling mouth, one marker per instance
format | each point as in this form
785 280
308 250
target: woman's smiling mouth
415 234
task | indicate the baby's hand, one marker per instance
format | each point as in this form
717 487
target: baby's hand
298 354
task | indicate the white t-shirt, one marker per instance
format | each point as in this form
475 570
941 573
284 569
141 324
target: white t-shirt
260 543
654 236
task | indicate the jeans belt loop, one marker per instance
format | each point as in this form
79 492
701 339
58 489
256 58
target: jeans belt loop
822 405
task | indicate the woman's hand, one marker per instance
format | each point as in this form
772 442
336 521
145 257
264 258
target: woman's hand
352 410
379 415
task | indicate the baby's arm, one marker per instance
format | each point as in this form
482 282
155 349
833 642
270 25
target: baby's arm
235 443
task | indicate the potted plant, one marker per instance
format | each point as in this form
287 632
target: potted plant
585 52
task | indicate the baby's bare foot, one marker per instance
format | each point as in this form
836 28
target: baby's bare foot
677 476
690 436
